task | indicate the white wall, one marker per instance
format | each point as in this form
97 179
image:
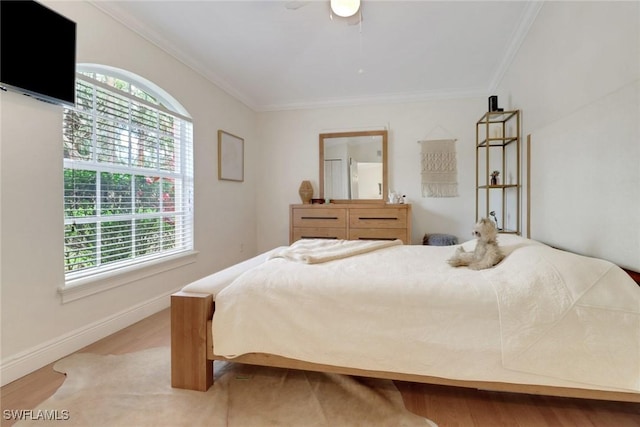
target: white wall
36 327
576 78
289 154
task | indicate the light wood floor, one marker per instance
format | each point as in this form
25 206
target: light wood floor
447 406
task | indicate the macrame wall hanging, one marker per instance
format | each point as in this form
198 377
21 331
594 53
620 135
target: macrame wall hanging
439 168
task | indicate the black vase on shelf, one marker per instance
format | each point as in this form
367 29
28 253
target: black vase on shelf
493 103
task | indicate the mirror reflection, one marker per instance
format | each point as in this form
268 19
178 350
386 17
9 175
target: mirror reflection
353 165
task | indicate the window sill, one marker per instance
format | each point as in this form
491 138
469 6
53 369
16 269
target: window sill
80 288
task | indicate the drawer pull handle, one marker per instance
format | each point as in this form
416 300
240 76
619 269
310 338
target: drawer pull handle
373 218
319 217
318 237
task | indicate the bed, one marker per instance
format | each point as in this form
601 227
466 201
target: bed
543 321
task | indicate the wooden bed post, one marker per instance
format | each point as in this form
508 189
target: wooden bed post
190 368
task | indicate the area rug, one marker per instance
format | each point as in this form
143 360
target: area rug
134 390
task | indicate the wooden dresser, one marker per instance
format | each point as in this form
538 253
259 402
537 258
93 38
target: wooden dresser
350 221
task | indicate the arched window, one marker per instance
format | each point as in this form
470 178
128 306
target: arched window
128 174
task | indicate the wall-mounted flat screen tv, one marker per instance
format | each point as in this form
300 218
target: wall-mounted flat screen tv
37 52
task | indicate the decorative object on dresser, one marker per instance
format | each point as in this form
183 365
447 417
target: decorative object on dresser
366 221
306 192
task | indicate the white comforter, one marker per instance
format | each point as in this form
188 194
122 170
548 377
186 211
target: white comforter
548 316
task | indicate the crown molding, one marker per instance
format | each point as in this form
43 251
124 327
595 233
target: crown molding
527 18
517 38
114 11
392 98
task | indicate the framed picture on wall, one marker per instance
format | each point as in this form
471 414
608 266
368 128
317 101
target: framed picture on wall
230 157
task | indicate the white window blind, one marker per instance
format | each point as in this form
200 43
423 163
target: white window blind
128 178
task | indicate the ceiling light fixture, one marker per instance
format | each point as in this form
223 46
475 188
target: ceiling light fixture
345 8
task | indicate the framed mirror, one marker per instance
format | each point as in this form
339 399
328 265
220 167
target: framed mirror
353 166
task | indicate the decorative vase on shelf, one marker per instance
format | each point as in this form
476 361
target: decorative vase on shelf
494 177
306 192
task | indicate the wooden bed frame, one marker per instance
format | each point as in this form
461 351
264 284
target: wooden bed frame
192 352
192 358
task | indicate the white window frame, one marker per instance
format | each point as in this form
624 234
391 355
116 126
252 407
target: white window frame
98 278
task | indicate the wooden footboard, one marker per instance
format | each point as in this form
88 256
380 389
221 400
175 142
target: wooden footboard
192 358
190 366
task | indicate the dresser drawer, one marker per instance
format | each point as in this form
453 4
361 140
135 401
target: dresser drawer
378 234
350 221
378 218
319 217
319 233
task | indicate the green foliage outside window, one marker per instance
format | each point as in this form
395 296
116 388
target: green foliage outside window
113 215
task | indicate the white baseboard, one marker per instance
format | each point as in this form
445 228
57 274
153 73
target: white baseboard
41 355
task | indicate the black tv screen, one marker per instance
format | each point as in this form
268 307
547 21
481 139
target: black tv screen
37 52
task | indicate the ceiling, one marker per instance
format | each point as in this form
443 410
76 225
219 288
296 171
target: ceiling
275 55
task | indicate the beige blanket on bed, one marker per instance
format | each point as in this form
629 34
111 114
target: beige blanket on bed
568 316
314 251
559 316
